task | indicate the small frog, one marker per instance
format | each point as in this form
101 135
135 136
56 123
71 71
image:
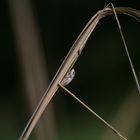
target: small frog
68 77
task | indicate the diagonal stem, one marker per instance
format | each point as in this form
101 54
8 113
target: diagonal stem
126 49
93 112
68 63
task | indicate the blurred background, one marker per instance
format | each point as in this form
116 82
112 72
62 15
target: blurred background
35 38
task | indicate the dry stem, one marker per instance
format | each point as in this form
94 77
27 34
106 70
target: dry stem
93 112
70 60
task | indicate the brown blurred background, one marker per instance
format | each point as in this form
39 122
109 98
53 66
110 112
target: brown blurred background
35 38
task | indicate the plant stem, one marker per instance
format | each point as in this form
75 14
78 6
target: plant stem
94 113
